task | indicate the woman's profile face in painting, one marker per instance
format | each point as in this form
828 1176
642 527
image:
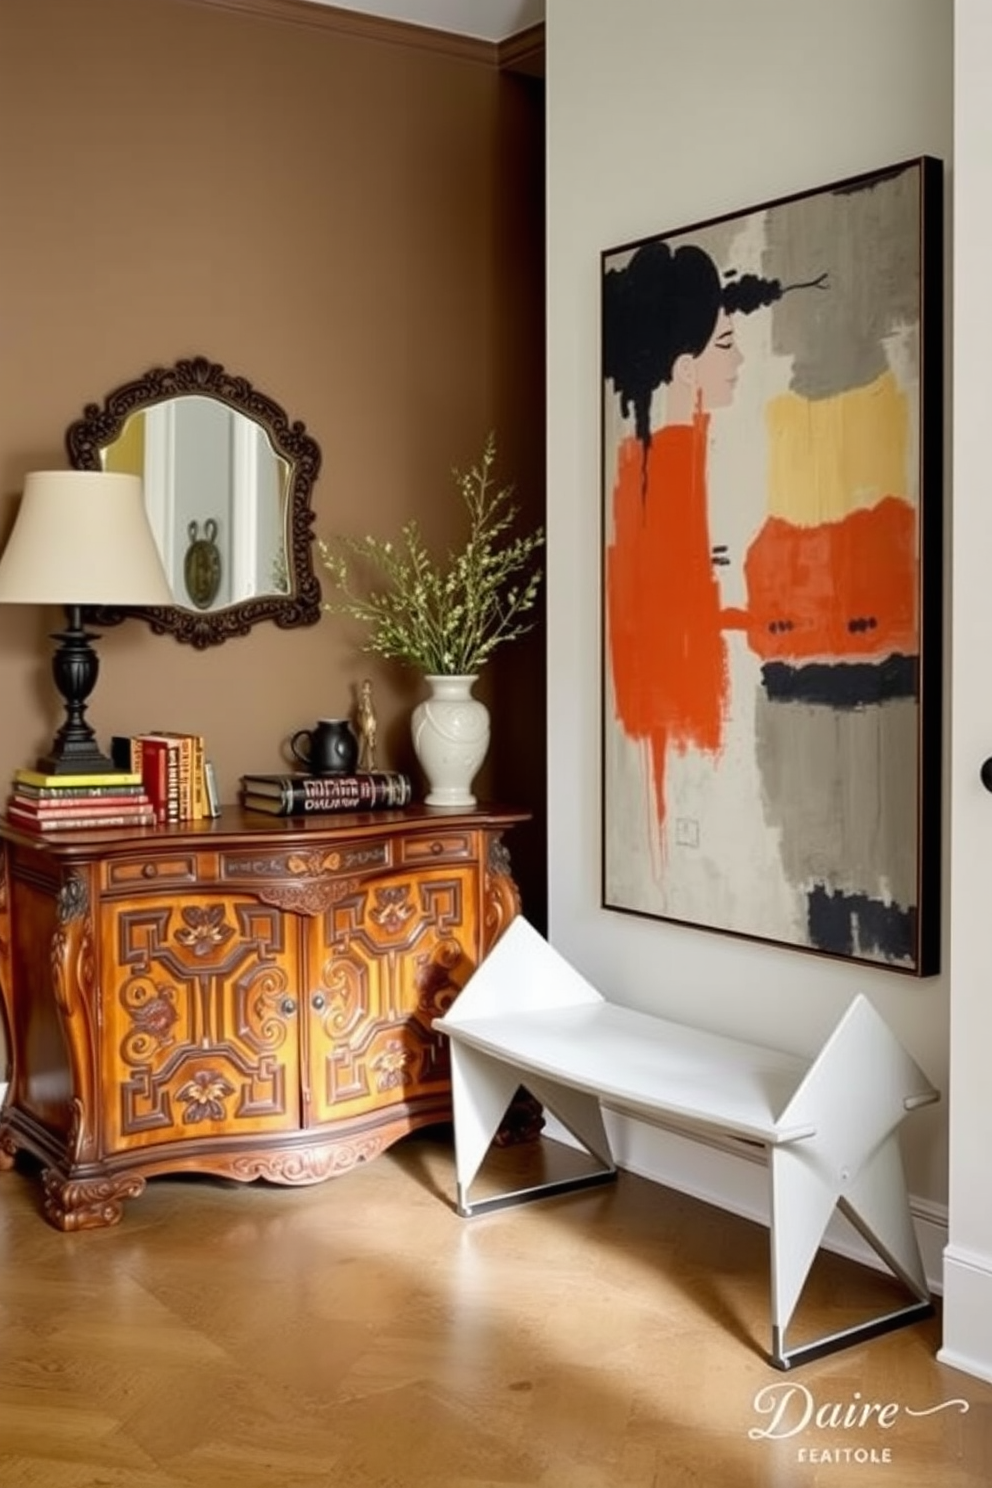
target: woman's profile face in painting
713 373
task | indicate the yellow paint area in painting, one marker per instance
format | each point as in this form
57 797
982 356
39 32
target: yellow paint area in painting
833 455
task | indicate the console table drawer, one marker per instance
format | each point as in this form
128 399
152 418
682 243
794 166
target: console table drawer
444 847
142 873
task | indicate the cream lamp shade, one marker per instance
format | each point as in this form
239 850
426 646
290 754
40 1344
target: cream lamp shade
81 537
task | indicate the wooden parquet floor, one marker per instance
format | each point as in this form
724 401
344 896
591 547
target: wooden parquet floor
359 1334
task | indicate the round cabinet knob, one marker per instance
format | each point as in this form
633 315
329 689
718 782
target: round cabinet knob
986 774
288 1006
318 1002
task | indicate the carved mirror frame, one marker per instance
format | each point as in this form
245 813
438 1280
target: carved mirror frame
100 426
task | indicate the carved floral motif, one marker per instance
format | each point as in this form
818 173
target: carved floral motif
391 909
391 1066
203 929
204 1097
314 863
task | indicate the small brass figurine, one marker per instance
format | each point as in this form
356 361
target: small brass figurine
367 727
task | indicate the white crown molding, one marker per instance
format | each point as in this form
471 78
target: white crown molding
522 52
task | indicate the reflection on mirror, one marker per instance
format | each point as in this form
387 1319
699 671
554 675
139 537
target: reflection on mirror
216 494
228 482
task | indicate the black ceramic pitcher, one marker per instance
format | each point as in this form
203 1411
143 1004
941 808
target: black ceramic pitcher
329 748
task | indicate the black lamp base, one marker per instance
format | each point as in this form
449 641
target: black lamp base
79 762
75 667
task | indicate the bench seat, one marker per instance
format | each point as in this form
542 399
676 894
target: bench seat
650 1066
829 1123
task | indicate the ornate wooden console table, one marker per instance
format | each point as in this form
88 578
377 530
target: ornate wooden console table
250 997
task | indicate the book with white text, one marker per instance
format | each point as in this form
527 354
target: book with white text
306 795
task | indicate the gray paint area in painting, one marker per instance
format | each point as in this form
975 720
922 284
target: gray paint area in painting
840 786
867 243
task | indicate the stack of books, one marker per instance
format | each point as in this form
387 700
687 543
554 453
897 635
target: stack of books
177 777
306 795
40 802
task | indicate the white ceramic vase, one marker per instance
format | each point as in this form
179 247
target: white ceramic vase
450 739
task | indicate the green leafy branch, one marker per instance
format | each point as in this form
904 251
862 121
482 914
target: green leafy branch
446 620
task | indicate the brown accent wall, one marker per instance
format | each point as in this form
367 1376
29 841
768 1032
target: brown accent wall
352 221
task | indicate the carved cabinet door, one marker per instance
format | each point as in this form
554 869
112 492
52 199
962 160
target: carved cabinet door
383 962
200 1019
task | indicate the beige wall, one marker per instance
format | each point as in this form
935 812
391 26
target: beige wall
658 116
354 224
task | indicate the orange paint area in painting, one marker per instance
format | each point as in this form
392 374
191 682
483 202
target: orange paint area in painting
833 574
845 588
667 651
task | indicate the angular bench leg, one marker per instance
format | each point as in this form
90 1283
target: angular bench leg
858 1090
482 1089
877 1206
805 1192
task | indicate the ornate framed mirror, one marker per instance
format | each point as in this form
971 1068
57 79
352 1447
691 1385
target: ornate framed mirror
228 485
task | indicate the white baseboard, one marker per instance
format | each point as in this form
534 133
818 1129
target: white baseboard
729 1175
967 1343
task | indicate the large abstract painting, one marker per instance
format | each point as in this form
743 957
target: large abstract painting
771 387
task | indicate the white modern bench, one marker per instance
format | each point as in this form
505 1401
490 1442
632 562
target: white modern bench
829 1124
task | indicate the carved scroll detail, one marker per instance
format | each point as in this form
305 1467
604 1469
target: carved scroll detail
502 897
311 898
73 970
87 1203
440 976
72 943
73 901
311 1165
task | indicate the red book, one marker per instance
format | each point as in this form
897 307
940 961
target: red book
80 805
160 773
63 821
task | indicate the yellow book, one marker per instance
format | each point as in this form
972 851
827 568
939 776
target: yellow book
201 805
112 777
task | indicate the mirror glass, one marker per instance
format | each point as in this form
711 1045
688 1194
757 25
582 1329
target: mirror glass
228 483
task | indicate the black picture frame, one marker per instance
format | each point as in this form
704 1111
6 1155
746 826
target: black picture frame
771 640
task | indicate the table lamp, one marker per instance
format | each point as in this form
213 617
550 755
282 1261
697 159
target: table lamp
81 537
